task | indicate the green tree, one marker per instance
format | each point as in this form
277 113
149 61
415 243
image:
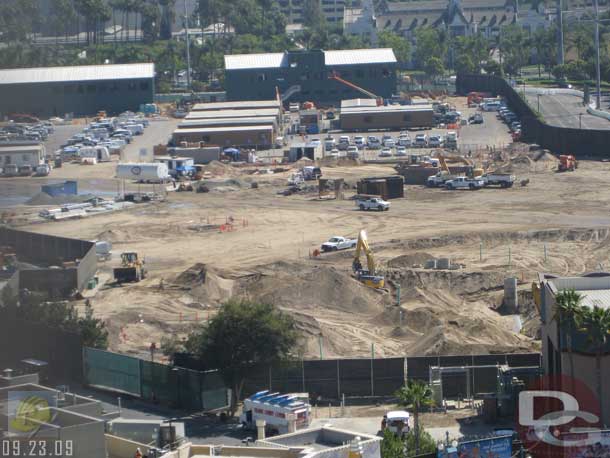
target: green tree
62 16
415 395
434 67
312 14
470 53
18 19
596 322
167 18
568 315
93 330
426 443
242 335
392 446
400 46
515 48
430 44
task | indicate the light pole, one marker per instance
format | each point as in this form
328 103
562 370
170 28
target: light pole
580 120
598 102
560 27
188 47
538 102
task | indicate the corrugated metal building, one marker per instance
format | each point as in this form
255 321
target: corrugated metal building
227 122
264 112
238 136
306 74
238 105
386 117
82 90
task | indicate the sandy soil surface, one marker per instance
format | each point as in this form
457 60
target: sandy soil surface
491 234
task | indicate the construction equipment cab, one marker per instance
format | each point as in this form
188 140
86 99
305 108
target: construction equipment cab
369 275
131 270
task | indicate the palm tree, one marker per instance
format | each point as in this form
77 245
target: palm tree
415 395
568 314
597 324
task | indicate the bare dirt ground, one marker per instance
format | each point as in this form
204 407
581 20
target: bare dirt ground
492 234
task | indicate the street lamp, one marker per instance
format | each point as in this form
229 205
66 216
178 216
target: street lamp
188 46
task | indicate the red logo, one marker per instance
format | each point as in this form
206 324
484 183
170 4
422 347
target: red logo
559 417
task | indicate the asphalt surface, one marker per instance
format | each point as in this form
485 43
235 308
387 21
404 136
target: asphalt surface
566 110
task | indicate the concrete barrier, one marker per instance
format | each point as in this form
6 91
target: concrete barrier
599 113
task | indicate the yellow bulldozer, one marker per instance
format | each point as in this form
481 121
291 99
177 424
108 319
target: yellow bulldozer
369 275
131 270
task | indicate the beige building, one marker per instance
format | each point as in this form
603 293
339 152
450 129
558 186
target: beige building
235 136
595 289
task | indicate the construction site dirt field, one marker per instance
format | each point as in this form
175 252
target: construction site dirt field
557 223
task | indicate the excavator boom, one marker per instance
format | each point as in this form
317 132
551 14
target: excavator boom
367 276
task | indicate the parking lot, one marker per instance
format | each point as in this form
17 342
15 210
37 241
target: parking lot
492 133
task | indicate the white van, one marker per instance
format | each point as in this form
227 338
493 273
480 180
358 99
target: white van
135 129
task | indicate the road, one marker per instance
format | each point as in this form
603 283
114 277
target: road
565 110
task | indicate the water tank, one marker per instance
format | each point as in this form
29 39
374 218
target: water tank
154 172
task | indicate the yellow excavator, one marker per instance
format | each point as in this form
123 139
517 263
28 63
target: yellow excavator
131 270
369 275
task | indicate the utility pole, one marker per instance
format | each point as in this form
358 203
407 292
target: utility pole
598 102
560 57
188 47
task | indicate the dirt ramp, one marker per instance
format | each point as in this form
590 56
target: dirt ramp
206 284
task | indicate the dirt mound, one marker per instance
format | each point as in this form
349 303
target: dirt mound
217 168
409 260
291 285
531 161
206 285
304 161
230 185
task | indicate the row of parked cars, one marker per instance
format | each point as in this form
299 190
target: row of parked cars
38 132
387 142
511 120
104 137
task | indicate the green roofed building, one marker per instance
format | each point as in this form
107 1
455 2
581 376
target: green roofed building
304 75
82 90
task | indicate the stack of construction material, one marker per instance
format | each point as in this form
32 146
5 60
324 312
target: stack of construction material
391 187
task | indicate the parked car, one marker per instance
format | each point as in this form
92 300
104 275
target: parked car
373 203
352 152
344 142
373 142
385 152
476 118
404 140
389 142
421 140
360 142
465 183
338 243
435 141
401 151
504 180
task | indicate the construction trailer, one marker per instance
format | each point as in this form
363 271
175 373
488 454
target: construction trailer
382 117
237 105
239 136
22 154
310 121
391 187
227 122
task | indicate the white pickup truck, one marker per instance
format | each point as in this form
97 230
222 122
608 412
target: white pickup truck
373 203
338 243
504 180
465 183
438 180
